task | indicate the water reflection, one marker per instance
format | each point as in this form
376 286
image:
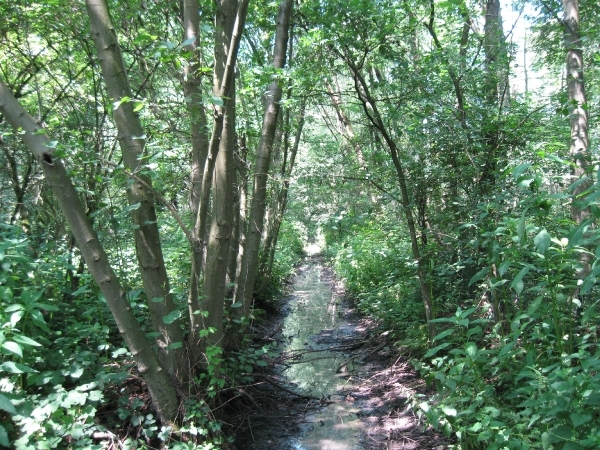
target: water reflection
314 312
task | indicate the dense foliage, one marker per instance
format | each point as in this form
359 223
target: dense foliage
208 142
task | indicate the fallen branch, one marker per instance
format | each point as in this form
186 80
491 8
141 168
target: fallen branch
369 353
269 380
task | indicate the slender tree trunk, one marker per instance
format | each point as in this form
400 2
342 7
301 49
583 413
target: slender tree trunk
225 57
222 211
495 90
346 126
141 200
372 113
249 269
242 157
192 88
158 381
286 172
579 148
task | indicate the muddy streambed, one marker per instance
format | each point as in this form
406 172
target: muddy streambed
337 384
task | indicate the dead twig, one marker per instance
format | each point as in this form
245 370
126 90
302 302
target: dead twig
352 358
270 380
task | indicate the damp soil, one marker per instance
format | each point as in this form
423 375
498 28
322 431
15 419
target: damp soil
337 382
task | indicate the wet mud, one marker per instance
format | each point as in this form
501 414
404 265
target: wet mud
337 382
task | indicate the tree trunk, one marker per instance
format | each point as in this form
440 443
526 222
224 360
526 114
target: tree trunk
192 88
245 286
159 384
577 105
286 172
372 113
495 91
225 57
141 200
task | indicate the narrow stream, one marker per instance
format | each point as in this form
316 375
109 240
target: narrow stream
315 323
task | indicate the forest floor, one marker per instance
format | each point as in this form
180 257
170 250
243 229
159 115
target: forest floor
276 414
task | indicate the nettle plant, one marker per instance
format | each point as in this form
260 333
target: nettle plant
520 371
54 352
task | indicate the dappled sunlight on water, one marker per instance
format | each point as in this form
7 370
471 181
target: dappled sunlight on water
314 312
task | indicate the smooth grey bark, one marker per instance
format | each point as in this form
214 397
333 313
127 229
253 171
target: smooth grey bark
192 88
217 252
249 270
495 90
141 200
579 147
287 168
157 379
230 26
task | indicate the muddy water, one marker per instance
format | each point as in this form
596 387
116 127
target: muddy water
314 324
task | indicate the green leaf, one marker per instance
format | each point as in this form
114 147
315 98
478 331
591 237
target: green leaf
579 419
6 405
172 317
542 241
479 275
188 41
443 334
517 283
588 284
449 411
132 207
578 232
471 349
236 305
119 102
38 320
4 437
216 100
13 367
14 307
534 305
175 345
573 446
13 347
118 352
521 229
504 267
434 350
520 170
